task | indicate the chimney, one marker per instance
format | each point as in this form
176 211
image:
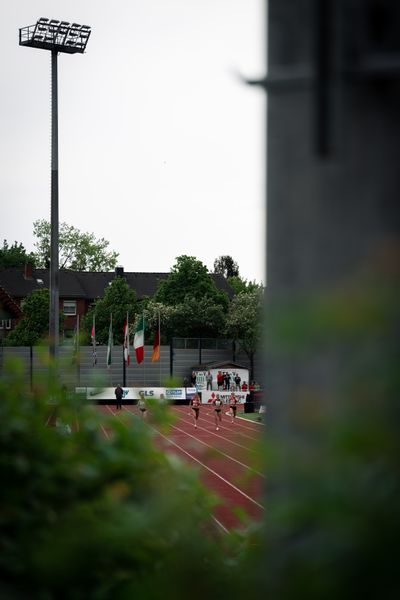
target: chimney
28 271
119 271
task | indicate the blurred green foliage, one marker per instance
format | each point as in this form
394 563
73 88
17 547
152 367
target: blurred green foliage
87 517
333 519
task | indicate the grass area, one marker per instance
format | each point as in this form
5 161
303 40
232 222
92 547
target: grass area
255 416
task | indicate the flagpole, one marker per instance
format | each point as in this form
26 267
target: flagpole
159 342
123 366
78 362
110 348
144 351
94 351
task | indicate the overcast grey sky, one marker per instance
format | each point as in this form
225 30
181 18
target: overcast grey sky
161 146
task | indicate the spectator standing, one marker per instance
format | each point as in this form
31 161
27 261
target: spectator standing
226 380
237 381
209 380
193 379
220 380
119 392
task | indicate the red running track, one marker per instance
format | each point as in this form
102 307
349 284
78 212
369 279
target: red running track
227 459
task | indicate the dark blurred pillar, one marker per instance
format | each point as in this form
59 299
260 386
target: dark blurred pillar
333 185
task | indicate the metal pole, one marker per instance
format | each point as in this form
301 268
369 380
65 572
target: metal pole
31 367
123 367
171 357
54 268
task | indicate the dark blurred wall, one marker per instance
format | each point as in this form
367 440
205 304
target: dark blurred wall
332 301
333 174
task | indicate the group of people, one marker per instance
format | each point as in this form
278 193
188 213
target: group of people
217 403
226 381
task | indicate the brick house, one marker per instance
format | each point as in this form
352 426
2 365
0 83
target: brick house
77 290
10 312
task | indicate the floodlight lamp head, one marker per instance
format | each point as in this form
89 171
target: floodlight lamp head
55 35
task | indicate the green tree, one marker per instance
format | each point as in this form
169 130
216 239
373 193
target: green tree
198 318
243 323
242 285
153 311
14 255
192 318
118 299
226 266
34 324
77 250
189 278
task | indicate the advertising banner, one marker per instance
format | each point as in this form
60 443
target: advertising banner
133 393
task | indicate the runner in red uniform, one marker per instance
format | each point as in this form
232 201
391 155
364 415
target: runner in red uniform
233 405
217 402
195 404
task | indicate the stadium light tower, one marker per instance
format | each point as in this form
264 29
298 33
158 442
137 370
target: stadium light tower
71 38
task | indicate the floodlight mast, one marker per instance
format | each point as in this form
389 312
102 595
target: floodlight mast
56 36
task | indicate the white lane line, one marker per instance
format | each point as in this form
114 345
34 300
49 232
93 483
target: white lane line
239 426
210 470
105 432
220 452
199 427
205 466
224 529
217 522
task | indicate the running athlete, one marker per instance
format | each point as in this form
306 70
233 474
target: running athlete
217 402
195 404
233 406
142 406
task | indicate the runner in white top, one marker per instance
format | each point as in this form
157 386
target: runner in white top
195 406
217 402
233 406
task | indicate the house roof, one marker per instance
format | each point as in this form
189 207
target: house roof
9 304
228 364
88 285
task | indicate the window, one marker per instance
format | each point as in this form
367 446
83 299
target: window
70 307
5 324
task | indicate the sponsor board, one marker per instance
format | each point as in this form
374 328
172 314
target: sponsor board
190 392
133 393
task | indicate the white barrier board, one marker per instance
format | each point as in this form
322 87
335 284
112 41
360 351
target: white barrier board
133 393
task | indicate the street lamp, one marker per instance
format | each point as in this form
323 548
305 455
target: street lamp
71 38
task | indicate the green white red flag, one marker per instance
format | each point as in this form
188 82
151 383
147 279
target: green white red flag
138 342
127 356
